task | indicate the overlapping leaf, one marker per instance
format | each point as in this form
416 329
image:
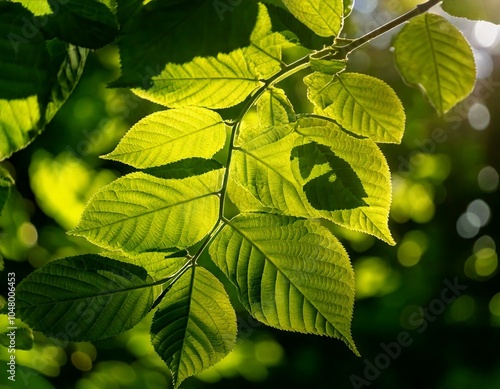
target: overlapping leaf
266 46
85 298
289 273
269 171
432 54
324 17
195 325
175 32
170 136
274 108
211 82
476 10
36 77
361 104
140 212
85 23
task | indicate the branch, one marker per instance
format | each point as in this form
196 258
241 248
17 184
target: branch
419 9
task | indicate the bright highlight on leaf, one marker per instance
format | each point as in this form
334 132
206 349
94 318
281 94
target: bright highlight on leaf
170 136
361 104
85 298
195 325
140 212
324 17
289 273
211 82
432 54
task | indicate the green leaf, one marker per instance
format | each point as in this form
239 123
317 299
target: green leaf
211 82
432 54
170 136
166 32
266 47
324 17
361 104
195 325
23 117
348 7
6 183
85 23
476 10
24 65
265 166
23 337
336 186
87 297
140 212
328 66
274 108
38 8
289 273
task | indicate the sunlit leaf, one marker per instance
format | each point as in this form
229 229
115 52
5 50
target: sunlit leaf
85 298
195 325
328 66
169 136
140 212
476 10
432 54
177 32
212 82
289 273
274 108
361 104
266 46
324 17
267 168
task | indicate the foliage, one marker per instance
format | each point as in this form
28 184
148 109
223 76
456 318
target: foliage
285 172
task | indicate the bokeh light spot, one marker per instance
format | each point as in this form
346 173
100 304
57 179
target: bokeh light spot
462 308
81 361
488 179
479 116
486 33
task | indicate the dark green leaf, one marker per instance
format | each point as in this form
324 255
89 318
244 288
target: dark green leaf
85 298
86 23
185 168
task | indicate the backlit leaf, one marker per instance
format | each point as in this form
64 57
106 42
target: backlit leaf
289 273
140 212
85 298
212 82
324 17
432 54
169 136
361 104
195 324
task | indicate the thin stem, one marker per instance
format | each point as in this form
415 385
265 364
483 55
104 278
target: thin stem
328 52
419 9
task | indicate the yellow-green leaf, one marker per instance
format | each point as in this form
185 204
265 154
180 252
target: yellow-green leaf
170 136
432 54
289 273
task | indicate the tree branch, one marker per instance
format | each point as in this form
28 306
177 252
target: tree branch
419 9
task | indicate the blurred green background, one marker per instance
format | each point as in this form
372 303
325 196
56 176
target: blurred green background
444 218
